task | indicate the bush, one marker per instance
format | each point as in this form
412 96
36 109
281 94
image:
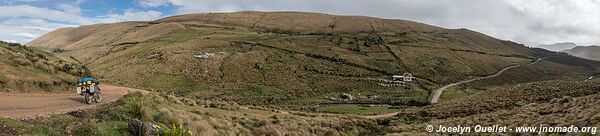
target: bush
22 61
44 65
175 130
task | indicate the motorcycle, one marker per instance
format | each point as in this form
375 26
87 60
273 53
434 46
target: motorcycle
90 90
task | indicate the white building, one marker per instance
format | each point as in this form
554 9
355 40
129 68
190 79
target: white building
406 77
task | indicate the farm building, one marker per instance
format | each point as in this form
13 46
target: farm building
406 77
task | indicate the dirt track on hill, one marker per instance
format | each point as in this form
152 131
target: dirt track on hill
21 106
438 92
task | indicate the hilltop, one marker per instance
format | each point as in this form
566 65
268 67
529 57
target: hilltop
290 59
588 52
558 47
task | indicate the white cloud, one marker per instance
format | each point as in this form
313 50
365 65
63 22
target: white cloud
26 0
69 8
25 23
152 3
129 15
42 13
78 2
26 29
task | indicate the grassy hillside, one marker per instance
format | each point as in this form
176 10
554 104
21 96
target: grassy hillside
262 73
507 97
588 52
283 58
24 69
549 103
199 117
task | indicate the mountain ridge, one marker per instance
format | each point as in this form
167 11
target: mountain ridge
558 47
591 52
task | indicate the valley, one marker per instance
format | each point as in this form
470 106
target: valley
288 73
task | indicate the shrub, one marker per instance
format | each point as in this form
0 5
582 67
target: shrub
175 130
43 65
22 61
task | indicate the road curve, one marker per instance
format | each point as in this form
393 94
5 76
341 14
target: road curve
435 96
438 92
20 106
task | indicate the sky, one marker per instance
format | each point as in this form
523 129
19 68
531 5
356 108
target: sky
531 22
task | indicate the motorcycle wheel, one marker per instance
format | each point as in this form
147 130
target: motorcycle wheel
88 98
98 97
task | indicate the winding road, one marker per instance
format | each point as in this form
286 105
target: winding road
20 106
435 96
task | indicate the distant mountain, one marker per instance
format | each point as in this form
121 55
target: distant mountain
558 46
588 52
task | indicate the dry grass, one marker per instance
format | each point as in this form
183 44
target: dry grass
501 98
286 58
544 70
29 70
559 112
226 118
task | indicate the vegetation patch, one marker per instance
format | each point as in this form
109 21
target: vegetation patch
457 92
174 84
26 69
357 109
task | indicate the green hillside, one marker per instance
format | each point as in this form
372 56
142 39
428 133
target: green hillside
286 73
289 59
25 69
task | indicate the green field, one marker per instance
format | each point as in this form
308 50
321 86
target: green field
457 92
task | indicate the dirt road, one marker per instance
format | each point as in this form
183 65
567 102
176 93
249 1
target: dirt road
387 115
32 105
438 92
